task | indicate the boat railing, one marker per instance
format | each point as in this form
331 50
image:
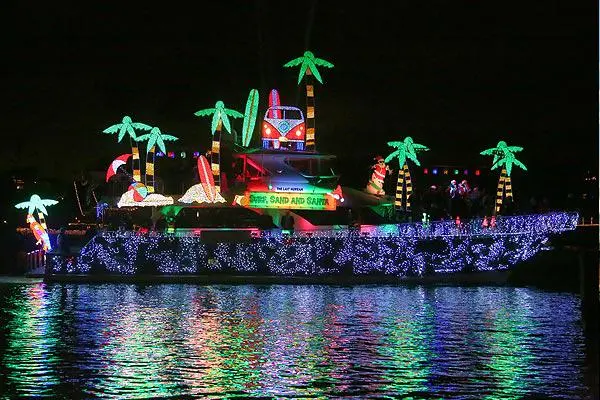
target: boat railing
554 222
35 260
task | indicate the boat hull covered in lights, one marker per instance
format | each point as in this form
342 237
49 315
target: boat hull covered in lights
399 250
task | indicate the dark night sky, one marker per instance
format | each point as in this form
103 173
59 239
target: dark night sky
457 78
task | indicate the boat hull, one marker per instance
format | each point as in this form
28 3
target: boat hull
401 250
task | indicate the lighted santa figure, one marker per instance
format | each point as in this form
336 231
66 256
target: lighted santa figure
380 169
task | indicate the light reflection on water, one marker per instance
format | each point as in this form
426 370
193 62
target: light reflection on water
127 341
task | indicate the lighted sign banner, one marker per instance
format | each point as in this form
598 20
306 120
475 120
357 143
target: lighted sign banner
275 185
298 188
292 201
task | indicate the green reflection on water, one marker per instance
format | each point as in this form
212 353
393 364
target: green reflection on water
224 349
125 342
406 347
510 357
30 355
138 354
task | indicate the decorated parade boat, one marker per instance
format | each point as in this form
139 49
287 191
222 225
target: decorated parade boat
278 207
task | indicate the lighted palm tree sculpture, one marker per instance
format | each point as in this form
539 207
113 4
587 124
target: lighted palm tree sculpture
504 157
154 138
39 204
308 67
220 117
129 127
405 150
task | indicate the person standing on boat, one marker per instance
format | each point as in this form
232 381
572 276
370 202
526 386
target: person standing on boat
454 201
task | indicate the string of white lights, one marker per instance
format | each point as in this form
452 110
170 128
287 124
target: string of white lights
516 239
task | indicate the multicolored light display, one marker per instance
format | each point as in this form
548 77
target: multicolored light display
308 68
406 149
250 117
413 249
155 139
281 341
39 229
37 203
129 127
504 157
220 117
291 201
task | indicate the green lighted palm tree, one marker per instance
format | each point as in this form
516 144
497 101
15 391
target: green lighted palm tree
129 127
308 67
504 157
39 204
154 138
220 117
405 150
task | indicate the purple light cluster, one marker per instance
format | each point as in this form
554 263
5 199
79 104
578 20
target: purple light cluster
400 250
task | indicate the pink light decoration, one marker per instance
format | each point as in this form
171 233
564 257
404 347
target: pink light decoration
274 101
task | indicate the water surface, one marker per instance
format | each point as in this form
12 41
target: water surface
126 341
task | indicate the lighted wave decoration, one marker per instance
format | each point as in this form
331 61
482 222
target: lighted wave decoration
400 250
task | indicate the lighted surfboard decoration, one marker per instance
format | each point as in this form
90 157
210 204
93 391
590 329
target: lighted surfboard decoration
113 169
205 191
250 117
206 178
273 102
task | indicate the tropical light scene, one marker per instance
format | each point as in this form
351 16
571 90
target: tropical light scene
186 218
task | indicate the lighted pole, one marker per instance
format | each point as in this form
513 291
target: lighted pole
129 127
504 157
220 118
154 138
308 68
405 150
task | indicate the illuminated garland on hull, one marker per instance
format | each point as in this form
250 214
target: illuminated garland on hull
399 250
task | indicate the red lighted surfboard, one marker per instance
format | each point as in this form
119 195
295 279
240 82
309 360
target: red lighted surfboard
274 101
206 178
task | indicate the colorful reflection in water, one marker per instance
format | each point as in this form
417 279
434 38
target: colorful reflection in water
126 341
